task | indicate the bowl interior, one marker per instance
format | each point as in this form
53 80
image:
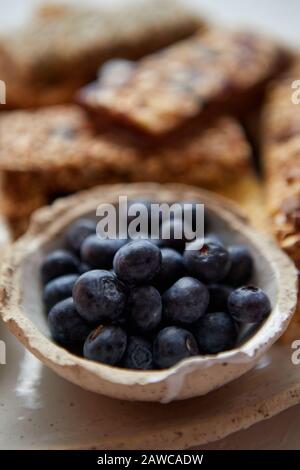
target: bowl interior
32 301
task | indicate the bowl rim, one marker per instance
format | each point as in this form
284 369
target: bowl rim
51 220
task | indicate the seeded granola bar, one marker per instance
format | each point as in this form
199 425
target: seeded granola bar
281 151
281 147
53 151
60 50
186 81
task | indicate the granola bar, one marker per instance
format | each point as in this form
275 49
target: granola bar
281 147
53 151
281 151
200 75
62 48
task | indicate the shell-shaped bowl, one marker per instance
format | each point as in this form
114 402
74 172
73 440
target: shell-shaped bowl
22 308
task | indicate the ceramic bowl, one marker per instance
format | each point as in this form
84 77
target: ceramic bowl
22 308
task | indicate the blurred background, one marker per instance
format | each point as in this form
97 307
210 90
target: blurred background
271 16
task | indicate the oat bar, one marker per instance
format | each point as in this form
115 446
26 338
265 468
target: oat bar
202 74
281 151
281 148
60 50
53 151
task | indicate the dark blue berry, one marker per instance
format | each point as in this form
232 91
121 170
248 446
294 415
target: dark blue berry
67 327
171 345
58 263
123 322
241 268
145 308
185 302
99 253
77 233
215 332
249 304
84 268
145 236
137 262
106 344
209 262
138 354
218 297
172 269
214 238
99 296
156 241
58 289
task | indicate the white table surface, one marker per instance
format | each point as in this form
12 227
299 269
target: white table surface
24 421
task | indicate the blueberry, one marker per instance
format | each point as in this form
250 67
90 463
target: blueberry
99 296
214 238
138 354
218 297
172 233
156 241
84 268
215 332
58 263
59 289
77 233
137 262
185 302
142 236
67 327
172 269
99 253
209 262
145 308
106 344
123 322
249 304
241 268
171 345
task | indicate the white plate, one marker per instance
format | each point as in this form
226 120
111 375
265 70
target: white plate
40 410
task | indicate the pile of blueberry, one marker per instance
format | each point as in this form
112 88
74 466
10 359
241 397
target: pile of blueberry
147 304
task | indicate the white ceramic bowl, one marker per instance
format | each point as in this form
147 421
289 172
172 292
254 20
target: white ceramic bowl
22 308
